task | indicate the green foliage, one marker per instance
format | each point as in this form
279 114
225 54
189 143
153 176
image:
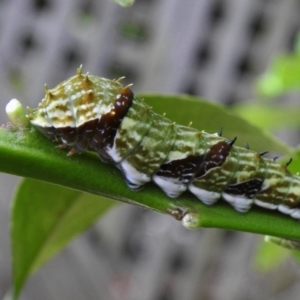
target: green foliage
46 217
282 76
135 30
269 116
124 3
269 256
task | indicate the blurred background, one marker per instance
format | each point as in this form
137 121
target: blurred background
209 48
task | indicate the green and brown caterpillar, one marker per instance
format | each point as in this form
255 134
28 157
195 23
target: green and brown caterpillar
92 113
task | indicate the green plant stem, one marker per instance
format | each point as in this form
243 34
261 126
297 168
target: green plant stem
27 153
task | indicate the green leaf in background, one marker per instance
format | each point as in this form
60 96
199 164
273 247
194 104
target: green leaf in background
296 255
282 76
45 217
269 256
294 167
135 30
124 3
269 117
297 43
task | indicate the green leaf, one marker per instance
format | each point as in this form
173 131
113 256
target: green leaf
269 117
124 3
297 43
25 152
282 76
45 217
294 167
269 256
135 30
285 243
296 255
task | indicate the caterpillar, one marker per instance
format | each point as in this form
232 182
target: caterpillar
91 113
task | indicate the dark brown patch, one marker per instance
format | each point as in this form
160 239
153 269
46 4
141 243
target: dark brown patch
291 201
215 157
184 169
106 129
84 135
178 213
66 135
247 188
